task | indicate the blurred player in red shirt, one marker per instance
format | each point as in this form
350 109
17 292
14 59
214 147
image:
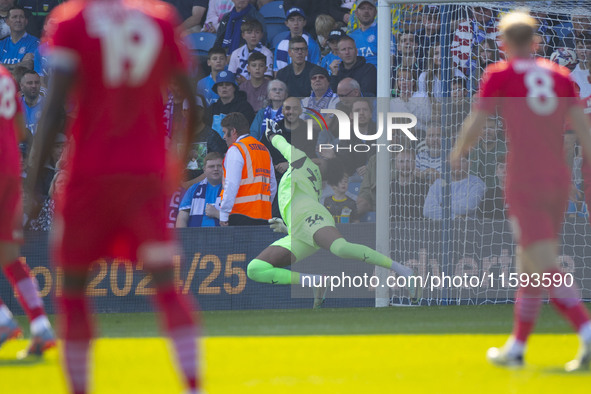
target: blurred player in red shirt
534 96
12 129
115 58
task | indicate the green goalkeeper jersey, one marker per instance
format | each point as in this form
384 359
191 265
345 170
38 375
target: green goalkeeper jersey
302 180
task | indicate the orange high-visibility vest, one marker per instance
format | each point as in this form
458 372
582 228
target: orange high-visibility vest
254 194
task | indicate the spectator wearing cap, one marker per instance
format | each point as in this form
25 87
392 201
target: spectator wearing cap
296 75
295 22
353 66
322 96
333 40
229 34
366 34
231 100
312 8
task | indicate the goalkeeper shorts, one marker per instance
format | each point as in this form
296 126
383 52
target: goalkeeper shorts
307 217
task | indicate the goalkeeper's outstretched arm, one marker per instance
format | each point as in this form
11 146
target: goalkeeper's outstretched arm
288 151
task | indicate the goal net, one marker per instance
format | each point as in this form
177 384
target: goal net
461 247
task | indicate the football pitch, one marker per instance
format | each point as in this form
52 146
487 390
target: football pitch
404 350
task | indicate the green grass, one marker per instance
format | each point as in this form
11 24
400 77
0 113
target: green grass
485 319
366 350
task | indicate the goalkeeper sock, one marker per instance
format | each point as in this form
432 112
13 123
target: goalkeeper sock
348 250
527 308
261 271
566 300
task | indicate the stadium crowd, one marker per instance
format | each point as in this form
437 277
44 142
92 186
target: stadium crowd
283 60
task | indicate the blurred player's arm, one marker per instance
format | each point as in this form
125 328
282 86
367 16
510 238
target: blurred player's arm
22 133
182 219
50 124
185 135
468 136
582 128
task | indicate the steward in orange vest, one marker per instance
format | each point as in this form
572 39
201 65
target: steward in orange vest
249 177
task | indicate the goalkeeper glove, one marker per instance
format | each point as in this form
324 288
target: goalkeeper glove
271 129
277 225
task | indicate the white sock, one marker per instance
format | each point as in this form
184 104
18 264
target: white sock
585 332
5 315
515 347
401 269
39 324
311 280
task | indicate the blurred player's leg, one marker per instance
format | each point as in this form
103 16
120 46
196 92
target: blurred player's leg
77 330
567 302
528 302
25 286
9 328
177 310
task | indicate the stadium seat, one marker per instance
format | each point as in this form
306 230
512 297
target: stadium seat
200 42
273 12
275 33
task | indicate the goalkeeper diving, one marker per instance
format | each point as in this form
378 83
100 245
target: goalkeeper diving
308 224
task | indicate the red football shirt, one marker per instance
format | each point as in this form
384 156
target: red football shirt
9 107
533 96
123 53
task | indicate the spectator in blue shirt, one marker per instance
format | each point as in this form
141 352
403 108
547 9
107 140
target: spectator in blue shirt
30 84
333 40
295 22
366 35
18 49
217 60
200 204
